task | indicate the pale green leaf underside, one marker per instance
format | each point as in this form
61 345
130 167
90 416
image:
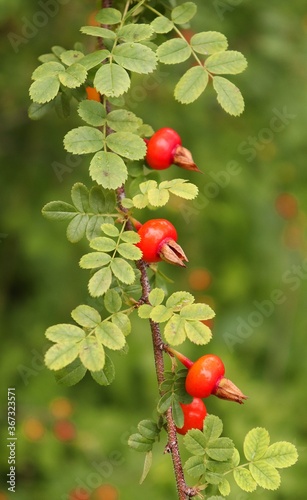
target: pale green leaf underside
228 96
83 140
162 24
191 85
244 480
182 14
174 51
229 62
135 57
111 80
108 170
44 89
92 354
209 42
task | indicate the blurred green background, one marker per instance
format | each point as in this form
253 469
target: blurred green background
245 237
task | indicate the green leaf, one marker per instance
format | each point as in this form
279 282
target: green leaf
256 443
107 374
184 13
37 111
156 296
65 333
70 374
235 459
140 201
108 169
83 140
93 260
110 230
103 244
58 50
79 196
174 51
111 80
94 59
144 311
160 314
92 354
76 228
98 201
148 429
135 57
179 299
228 96
122 321
86 316
110 335
100 282
221 449
69 57
209 42
281 454
44 89
244 480
46 70
165 402
219 467
174 331
98 32
122 120
182 188
147 466
158 197
177 413
61 355
93 227
197 332
74 76
108 16
135 32
265 475
112 301
213 428
191 85
129 251
197 311
224 487
162 24
195 466
130 237
140 443
195 442
127 144
122 270
92 112
59 210
229 62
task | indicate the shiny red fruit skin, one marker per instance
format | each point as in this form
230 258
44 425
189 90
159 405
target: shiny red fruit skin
204 375
154 233
161 148
194 415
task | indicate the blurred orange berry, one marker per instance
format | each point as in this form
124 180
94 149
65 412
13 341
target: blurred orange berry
208 322
64 430
105 492
92 94
33 429
199 279
3 496
61 408
286 205
91 21
79 494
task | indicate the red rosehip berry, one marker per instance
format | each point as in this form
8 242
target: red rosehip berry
204 375
194 414
165 148
158 242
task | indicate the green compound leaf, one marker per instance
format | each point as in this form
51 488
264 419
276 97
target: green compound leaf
122 120
195 442
130 237
178 300
224 487
135 57
144 311
147 466
112 301
174 51
103 244
74 76
221 449
110 230
228 96
76 228
100 282
47 70
98 32
94 58
213 428
86 316
265 475
127 144
83 140
184 13
256 443
59 210
93 260
110 336
92 354
111 80
281 454
123 271
61 355
108 16
195 466
135 32
65 333
44 89
191 85
244 480
148 429
79 196
156 296
107 374
229 62
197 311
140 443
108 169
161 313
92 112
162 25
129 251
70 374
70 57
174 331
209 42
